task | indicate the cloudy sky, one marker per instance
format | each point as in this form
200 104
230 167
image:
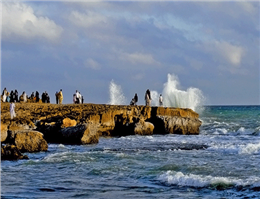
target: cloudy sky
212 46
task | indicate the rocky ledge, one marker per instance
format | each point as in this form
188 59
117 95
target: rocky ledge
37 124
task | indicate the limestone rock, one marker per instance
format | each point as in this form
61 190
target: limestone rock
144 128
181 125
3 132
11 152
29 141
81 134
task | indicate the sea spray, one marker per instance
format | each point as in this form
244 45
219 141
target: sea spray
116 95
173 97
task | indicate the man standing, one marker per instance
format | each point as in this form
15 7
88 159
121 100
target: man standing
60 97
135 99
57 97
147 98
77 97
12 111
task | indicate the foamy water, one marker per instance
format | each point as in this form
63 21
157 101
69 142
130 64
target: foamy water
154 166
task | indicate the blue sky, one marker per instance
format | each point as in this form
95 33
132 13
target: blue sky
212 46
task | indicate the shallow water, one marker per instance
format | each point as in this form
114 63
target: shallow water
224 163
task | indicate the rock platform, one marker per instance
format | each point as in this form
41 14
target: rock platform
37 124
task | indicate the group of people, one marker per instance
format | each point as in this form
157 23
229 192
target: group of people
13 97
147 99
78 98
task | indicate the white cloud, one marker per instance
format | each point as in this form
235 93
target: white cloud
90 63
138 76
87 20
20 22
224 52
139 58
231 53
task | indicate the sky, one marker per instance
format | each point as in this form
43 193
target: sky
84 45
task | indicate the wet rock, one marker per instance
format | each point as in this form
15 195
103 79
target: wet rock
81 134
144 128
11 152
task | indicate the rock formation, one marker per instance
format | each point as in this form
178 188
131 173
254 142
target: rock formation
85 123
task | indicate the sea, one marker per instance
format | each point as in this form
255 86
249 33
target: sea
223 161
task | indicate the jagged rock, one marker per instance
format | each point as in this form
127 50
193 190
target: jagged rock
28 141
3 132
11 152
144 128
81 134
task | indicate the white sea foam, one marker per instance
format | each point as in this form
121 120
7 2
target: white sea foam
116 95
250 149
191 180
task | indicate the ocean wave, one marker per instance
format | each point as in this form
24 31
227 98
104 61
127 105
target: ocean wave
200 181
250 148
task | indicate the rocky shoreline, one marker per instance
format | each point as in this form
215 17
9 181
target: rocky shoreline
37 124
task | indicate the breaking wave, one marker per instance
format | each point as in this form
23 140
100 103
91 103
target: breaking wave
199 181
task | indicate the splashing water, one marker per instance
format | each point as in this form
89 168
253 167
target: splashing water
116 95
173 97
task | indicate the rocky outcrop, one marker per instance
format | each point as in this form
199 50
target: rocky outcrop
180 125
11 152
85 123
3 132
144 128
28 141
80 134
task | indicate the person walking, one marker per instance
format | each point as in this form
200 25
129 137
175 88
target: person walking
12 111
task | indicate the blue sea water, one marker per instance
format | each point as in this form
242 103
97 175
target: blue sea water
149 166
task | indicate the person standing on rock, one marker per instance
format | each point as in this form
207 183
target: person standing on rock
60 96
135 99
77 97
160 100
80 98
57 97
24 97
147 98
12 111
37 95
16 96
4 95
